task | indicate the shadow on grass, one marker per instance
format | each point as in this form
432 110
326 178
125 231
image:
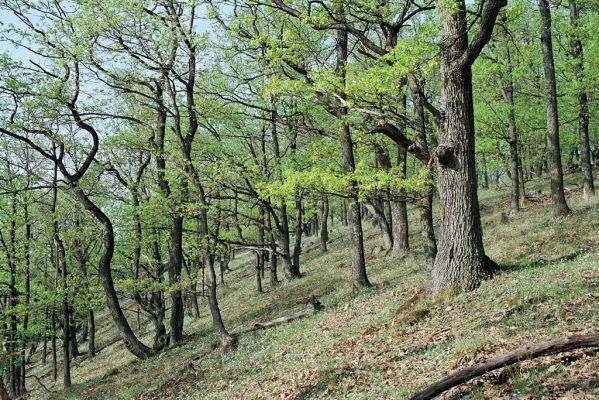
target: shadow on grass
541 262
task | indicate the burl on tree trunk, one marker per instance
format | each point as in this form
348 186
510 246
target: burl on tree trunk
461 262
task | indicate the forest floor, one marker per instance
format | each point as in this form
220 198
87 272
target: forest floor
388 342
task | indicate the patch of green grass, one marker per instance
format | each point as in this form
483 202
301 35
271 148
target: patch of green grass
389 341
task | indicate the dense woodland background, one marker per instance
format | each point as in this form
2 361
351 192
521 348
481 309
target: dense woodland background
159 158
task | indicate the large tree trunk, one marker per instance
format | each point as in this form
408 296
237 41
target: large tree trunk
359 277
558 200
576 51
461 262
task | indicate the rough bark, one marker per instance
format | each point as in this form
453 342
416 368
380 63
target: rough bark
558 199
461 262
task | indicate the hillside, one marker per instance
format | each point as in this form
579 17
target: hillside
387 342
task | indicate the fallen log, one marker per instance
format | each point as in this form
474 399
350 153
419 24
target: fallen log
312 307
547 348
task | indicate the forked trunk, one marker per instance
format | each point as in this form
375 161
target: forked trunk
461 263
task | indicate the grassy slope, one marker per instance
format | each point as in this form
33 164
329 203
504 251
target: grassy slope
390 341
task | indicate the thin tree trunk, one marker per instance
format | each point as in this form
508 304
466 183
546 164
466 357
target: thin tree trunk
485 184
53 341
425 205
324 227
260 256
378 214
401 241
91 330
274 280
259 266
297 247
174 275
522 178
27 294
576 52
508 96
359 277
558 199
61 266
283 224
73 345
45 349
